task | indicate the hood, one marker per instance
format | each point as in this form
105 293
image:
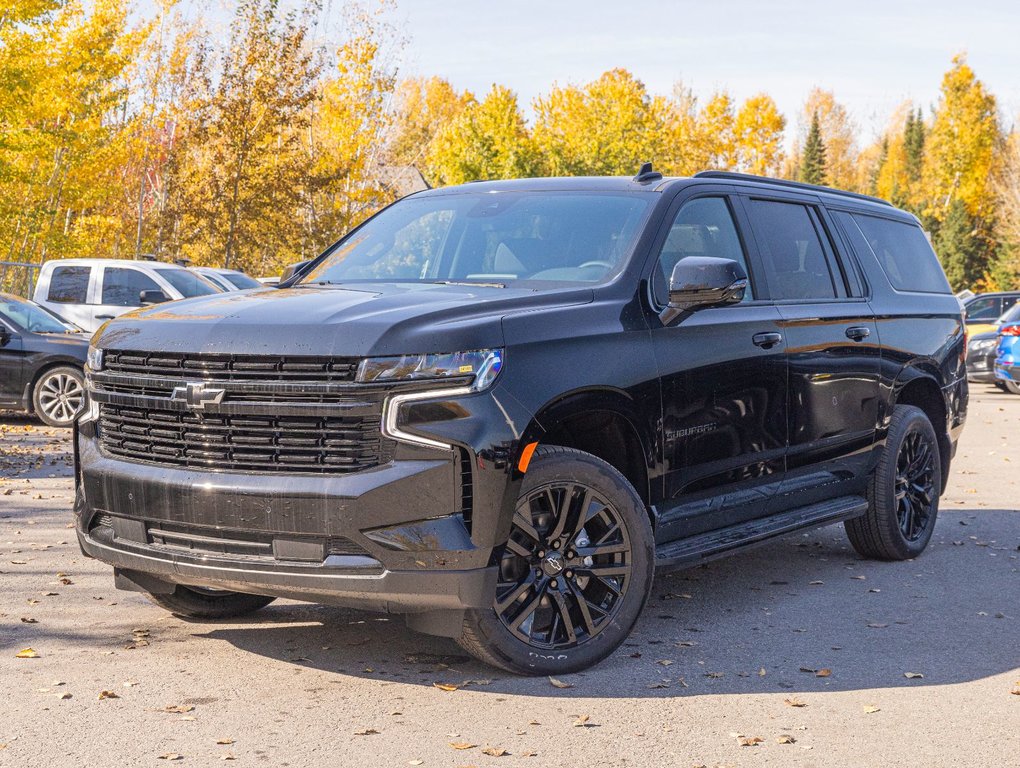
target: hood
355 320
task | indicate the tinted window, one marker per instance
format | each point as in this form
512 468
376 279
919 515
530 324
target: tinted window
986 308
69 285
1008 302
702 227
32 317
1012 316
795 262
240 280
187 283
904 253
490 237
121 287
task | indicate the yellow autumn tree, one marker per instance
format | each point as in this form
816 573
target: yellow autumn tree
838 135
424 107
600 128
758 136
961 146
487 140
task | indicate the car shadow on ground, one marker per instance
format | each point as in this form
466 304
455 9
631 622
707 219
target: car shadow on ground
805 614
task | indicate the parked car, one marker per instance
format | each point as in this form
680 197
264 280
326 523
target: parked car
88 292
984 310
41 359
227 279
1007 353
981 354
496 408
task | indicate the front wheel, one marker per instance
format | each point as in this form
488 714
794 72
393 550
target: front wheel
575 572
58 396
904 491
201 603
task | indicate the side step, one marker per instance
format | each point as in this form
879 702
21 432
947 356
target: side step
708 546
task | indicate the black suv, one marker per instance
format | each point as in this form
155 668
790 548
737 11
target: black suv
495 408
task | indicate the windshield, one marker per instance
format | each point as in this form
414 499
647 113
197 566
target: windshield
490 237
187 283
240 280
32 317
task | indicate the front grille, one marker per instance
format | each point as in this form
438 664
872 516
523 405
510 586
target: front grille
230 367
207 540
230 442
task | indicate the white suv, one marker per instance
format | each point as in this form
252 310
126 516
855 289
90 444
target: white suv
88 292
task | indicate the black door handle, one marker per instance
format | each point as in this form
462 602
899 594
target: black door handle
104 317
858 333
767 340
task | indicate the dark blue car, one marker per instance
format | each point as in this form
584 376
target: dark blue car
1007 358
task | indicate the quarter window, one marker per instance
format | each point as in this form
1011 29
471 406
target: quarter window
904 253
795 261
702 227
69 285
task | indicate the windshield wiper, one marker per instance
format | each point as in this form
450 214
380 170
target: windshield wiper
468 282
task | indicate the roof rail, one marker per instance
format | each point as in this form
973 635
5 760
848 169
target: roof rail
733 176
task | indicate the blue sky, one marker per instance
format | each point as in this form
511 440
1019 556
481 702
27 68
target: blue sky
872 54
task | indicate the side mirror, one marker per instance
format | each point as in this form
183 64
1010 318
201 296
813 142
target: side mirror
703 281
152 297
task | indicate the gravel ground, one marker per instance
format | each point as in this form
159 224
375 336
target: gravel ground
827 659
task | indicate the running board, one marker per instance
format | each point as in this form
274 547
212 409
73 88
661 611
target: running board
708 546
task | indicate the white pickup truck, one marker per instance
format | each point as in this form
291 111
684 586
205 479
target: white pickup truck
88 292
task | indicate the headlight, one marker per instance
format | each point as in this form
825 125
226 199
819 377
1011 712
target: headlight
94 358
983 344
482 365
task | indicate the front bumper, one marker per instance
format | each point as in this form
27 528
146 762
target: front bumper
391 539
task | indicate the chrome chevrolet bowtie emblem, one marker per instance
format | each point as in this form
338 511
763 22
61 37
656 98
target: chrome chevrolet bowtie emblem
197 395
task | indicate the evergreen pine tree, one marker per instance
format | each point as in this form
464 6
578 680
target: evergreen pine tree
812 164
959 247
913 144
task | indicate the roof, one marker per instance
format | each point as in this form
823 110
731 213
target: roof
550 184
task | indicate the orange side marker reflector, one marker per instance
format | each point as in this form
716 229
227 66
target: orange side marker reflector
526 455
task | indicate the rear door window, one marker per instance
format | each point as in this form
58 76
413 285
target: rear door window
904 253
122 287
987 308
187 283
69 285
796 265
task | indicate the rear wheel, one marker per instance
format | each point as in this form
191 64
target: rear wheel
1012 387
575 572
202 603
58 396
904 491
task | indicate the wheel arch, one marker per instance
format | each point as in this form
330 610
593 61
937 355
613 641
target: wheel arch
605 422
44 368
920 388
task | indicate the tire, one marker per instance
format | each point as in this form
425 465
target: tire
59 395
1000 385
197 603
562 610
1012 387
903 494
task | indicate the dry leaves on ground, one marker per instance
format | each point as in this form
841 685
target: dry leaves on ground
367 732
26 653
750 741
462 745
107 695
785 739
870 709
559 683
794 702
495 752
913 675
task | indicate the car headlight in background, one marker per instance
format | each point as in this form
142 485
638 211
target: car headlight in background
483 365
94 358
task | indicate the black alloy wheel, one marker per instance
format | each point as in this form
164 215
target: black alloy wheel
915 486
574 573
566 566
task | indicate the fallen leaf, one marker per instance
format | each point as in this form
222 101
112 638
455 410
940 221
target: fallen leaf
786 739
762 672
227 756
559 683
582 722
26 653
795 703
29 620
462 745
815 583
107 695
750 741
876 625
664 662
224 741
415 762
714 675
495 752
913 675
660 684
178 709
171 756
823 673
870 709
64 695
446 686
367 732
